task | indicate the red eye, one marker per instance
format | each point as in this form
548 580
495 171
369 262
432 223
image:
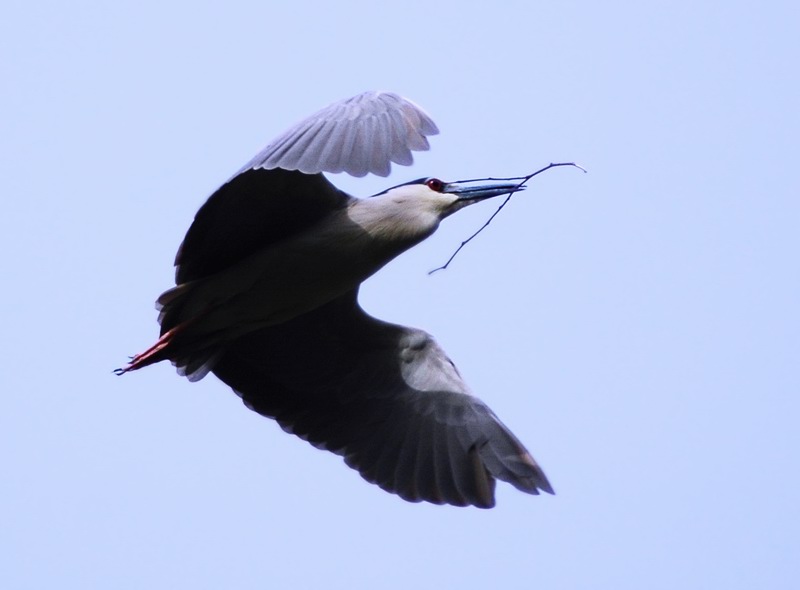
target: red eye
435 184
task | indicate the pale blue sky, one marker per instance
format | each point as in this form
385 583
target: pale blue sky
637 327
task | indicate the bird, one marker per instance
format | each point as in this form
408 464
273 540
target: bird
266 299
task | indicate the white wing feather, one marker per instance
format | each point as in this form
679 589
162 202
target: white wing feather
360 135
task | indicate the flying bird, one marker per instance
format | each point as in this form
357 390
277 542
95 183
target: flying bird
267 280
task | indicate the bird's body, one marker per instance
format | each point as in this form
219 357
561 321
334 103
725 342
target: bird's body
267 279
279 281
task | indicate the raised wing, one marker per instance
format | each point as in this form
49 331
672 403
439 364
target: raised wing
360 135
386 398
281 191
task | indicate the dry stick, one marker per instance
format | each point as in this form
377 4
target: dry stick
503 204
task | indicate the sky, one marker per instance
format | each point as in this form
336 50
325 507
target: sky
637 327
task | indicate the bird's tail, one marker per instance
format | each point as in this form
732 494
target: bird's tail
193 355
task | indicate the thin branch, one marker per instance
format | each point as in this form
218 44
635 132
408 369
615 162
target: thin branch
523 180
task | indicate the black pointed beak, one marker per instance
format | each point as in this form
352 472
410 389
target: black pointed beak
471 191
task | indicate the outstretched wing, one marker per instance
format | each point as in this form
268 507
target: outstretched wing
386 398
360 135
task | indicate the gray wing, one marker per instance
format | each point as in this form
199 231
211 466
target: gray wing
386 398
282 190
358 135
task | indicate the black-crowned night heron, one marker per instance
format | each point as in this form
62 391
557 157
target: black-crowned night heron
266 298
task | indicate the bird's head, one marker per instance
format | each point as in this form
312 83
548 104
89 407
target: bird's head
408 213
431 195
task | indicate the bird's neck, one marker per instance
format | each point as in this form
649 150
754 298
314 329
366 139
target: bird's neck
393 225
